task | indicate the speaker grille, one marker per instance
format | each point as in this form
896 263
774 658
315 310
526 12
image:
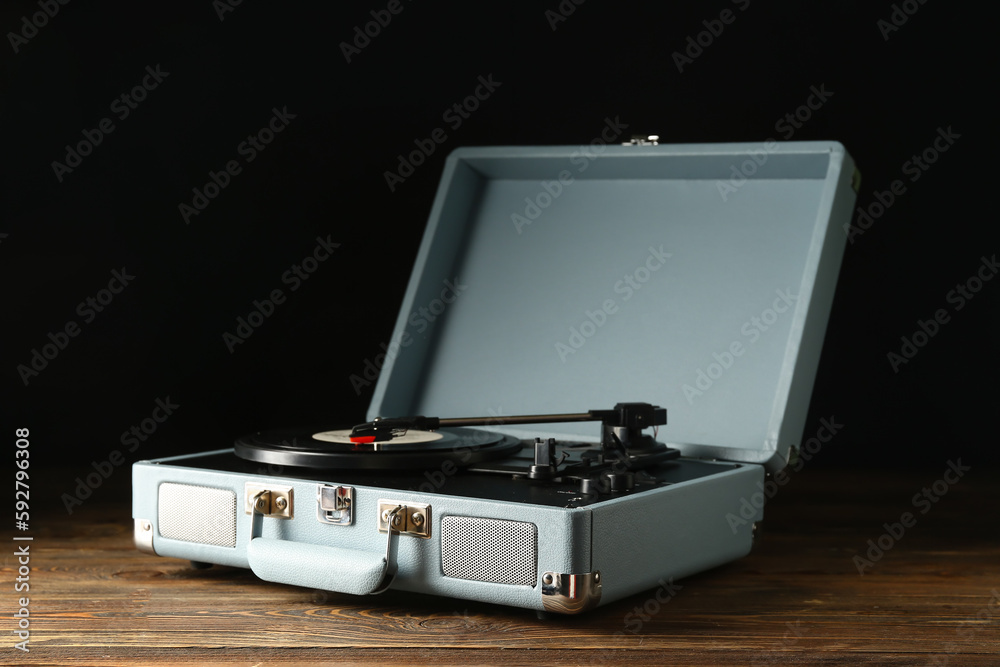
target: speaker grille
197 514
493 550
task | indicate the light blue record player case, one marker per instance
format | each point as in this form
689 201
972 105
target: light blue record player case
563 279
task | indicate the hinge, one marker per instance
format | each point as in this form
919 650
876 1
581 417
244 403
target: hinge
410 519
273 501
643 140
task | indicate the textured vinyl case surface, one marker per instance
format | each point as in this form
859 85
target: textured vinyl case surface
558 279
517 544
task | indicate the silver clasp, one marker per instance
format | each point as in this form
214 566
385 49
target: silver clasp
335 504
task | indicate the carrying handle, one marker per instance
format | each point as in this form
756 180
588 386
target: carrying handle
314 566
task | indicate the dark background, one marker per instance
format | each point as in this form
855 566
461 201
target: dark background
323 175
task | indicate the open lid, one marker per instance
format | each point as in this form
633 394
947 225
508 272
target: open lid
563 279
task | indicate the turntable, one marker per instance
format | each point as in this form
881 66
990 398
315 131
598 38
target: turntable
639 278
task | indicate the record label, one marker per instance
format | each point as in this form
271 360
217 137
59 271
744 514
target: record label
411 437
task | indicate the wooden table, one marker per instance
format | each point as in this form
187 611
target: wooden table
933 598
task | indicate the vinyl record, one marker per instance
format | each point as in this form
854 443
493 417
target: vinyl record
331 448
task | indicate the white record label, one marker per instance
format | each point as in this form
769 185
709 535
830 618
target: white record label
412 437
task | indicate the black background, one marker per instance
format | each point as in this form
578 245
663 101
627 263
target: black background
323 175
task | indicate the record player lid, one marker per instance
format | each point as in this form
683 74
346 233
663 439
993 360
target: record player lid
569 278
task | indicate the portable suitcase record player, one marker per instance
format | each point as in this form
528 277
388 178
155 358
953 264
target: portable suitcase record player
632 281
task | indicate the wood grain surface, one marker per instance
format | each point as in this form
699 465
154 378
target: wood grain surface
933 598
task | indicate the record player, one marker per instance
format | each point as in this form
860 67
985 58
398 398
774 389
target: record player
631 282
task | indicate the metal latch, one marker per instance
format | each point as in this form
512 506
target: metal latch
643 140
335 504
407 518
271 500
